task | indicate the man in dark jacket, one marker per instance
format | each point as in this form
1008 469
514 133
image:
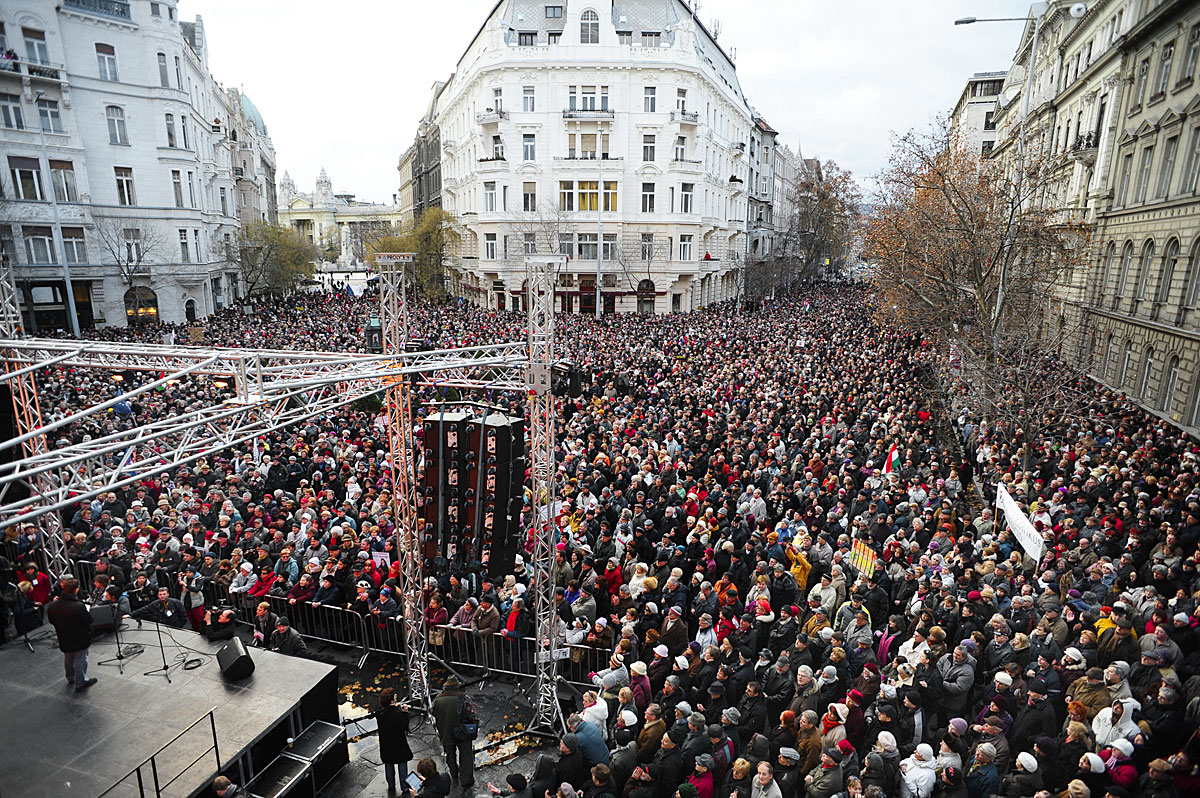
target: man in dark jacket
73 623
286 640
165 610
666 767
447 716
1036 719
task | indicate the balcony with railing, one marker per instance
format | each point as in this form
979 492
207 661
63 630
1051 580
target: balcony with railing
1085 147
496 163
739 148
491 116
44 70
113 9
686 117
588 113
688 165
589 160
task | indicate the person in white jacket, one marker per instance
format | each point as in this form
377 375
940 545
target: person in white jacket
917 774
1116 722
595 712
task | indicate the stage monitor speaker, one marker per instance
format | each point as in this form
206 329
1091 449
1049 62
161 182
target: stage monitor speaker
104 618
234 661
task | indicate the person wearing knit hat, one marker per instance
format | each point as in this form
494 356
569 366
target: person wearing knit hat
687 790
1091 762
565 790
1003 679
1077 789
958 726
1028 762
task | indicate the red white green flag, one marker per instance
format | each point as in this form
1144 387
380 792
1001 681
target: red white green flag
893 460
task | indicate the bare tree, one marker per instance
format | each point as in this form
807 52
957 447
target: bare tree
131 246
541 231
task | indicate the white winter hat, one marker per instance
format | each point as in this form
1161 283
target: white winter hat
1122 745
925 751
1028 761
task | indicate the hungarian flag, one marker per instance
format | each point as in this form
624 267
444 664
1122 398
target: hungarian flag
892 462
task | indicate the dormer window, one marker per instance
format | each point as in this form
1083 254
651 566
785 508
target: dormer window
589 27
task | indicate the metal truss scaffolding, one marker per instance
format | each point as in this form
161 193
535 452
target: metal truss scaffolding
272 390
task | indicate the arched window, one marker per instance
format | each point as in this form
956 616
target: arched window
1126 265
1191 292
189 310
1144 270
589 27
1106 368
141 306
645 292
1106 269
1170 258
1126 360
116 125
1144 387
1166 399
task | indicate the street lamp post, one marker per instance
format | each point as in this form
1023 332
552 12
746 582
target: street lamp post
599 210
1038 11
72 315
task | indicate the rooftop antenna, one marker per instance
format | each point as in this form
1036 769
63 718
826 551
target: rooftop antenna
716 29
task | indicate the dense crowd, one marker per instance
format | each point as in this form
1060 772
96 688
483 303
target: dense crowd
714 475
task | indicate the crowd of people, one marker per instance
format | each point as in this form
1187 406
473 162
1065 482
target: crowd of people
713 478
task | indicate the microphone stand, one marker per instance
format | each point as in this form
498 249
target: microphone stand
118 622
164 669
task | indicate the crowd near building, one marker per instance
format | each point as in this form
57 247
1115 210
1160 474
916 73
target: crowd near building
128 167
1114 104
615 133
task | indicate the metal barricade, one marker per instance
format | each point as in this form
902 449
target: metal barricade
326 625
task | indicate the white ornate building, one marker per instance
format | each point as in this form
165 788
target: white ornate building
145 167
974 115
338 224
616 129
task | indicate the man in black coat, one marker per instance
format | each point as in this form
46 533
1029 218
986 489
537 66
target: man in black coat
287 640
73 623
1036 719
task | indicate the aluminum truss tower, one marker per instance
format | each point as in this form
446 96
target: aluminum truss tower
273 390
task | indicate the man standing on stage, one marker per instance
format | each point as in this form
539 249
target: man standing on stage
73 623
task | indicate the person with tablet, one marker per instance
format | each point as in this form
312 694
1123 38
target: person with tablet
394 751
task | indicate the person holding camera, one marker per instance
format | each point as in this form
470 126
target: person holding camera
394 752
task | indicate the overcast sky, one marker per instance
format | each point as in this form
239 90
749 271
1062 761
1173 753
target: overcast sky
342 84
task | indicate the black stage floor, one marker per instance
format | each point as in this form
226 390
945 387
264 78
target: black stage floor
57 742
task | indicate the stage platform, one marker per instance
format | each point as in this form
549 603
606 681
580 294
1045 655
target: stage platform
59 742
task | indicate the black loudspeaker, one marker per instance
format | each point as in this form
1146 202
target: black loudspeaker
234 661
104 618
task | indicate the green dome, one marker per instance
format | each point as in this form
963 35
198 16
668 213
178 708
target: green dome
253 115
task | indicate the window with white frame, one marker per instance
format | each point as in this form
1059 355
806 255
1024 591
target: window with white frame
49 116
608 250
125 195
587 246
528 147
1143 77
224 201
185 256
648 146
680 148
610 195
651 38
529 243
685 247
133 244
589 199
647 198
681 100
489 197
553 36
117 133
191 184
1192 168
489 246
1192 54
624 37
11 114
39 245
1165 59
686 196
528 99
1143 181
566 244
587 98
164 74
183 127
498 99
554 12
1167 168
74 246
26 177
647 244
566 195
497 148
1126 178
35 46
62 178
529 196
177 187
171 140
649 99
106 60
527 38
589 27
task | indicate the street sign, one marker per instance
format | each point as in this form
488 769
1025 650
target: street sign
393 257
